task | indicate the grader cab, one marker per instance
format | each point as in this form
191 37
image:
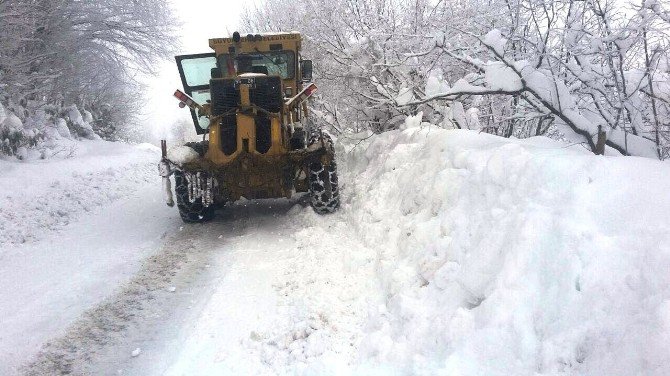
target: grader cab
248 100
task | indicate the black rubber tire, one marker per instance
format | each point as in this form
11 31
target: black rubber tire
298 139
323 185
200 147
190 212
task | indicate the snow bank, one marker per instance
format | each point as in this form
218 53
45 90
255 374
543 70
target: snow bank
511 257
39 196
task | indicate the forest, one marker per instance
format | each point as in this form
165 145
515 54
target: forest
590 72
69 68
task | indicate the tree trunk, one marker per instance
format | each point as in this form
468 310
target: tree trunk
600 144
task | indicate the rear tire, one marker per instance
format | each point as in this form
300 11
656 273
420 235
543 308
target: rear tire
323 185
190 212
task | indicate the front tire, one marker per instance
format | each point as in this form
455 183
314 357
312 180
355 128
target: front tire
190 212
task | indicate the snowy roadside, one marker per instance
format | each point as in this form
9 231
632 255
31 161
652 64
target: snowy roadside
39 196
507 256
73 230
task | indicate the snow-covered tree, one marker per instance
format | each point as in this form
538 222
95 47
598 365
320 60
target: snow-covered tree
68 52
594 72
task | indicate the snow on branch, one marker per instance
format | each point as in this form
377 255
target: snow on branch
584 71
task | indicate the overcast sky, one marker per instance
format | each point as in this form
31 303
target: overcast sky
201 20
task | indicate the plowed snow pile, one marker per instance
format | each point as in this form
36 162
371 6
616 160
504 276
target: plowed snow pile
454 253
507 257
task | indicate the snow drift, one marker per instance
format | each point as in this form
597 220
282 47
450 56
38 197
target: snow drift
504 257
454 253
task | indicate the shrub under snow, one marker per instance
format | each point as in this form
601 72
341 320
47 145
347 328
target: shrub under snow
43 133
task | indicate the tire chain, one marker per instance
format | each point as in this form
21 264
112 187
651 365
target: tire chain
323 183
191 212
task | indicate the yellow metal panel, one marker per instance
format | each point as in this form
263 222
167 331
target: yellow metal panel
276 135
246 129
244 95
215 153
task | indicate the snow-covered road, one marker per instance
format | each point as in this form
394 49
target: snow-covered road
72 231
275 292
453 253
266 287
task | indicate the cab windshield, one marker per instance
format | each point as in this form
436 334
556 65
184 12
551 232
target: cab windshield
272 63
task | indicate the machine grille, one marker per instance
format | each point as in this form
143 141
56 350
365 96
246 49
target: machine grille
267 94
225 96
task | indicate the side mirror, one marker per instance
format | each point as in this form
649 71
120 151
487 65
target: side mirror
306 69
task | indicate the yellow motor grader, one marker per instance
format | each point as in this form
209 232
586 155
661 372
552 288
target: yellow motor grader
248 100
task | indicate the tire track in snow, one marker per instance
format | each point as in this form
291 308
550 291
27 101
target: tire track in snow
102 340
105 325
296 294
287 288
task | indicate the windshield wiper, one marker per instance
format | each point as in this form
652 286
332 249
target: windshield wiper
268 58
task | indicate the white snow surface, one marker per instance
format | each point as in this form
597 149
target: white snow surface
435 84
512 257
72 230
495 40
454 252
499 76
11 121
42 195
181 154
